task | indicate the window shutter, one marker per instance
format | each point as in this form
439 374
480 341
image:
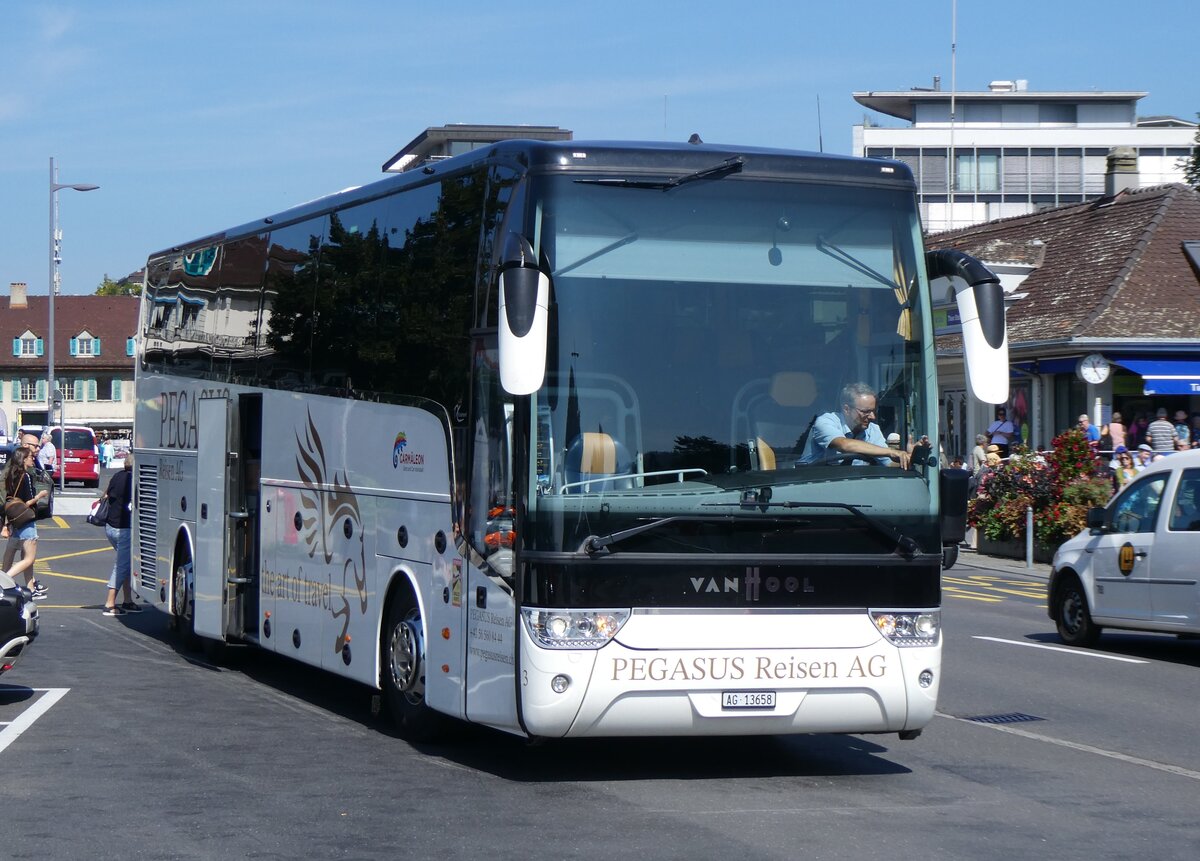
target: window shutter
41 346
16 346
74 346
91 390
95 346
128 347
16 390
77 390
41 390
116 390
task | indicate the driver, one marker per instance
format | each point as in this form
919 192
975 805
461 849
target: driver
851 431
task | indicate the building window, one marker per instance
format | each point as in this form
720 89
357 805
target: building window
85 345
977 172
28 345
71 389
29 389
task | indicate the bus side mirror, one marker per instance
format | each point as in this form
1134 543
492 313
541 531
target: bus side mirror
524 311
980 301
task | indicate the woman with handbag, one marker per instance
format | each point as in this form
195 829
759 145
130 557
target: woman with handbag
117 523
20 519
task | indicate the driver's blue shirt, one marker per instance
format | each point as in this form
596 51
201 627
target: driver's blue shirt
829 427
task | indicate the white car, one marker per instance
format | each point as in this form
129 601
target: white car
1137 566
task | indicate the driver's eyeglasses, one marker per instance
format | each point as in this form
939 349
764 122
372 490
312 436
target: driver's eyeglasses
869 412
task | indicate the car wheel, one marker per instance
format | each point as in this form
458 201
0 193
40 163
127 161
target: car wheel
949 555
1072 617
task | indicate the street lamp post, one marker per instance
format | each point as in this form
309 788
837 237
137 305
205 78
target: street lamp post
52 291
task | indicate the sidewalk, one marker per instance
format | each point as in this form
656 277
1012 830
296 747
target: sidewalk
974 559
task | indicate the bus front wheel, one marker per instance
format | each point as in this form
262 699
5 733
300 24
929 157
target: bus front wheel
403 673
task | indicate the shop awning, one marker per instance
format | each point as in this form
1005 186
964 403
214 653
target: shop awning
1165 376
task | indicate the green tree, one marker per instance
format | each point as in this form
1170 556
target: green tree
1191 163
124 287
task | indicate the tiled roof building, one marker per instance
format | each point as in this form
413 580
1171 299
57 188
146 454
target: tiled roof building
93 359
1119 277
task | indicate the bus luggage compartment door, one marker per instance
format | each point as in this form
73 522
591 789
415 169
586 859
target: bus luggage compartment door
208 568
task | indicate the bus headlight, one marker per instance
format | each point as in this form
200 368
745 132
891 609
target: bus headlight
909 628
573 629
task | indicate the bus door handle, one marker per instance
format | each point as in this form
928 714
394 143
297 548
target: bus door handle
238 515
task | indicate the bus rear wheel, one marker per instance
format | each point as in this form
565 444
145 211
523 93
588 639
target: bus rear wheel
403 673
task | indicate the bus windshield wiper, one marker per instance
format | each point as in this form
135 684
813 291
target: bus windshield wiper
725 168
905 546
596 544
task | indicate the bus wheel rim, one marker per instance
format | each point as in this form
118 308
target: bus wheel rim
405 658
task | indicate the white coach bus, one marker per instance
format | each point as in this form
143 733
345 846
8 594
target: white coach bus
519 438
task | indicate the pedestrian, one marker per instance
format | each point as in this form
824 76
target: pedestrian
1183 433
1161 433
1001 431
47 456
1136 432
1124 470
106 451
1116 430
18 485
979 453
117 529
1089 430
1145 455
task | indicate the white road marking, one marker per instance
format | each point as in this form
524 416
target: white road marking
1066 649
25 720
1084 748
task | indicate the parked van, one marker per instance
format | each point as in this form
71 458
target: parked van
80 458
1135 565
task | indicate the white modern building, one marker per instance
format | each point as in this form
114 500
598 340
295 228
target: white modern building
1016 150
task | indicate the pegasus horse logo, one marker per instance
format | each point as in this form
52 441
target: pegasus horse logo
331 522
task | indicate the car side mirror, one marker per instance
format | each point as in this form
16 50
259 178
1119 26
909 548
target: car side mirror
1095 519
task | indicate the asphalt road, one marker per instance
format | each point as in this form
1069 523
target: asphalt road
130 746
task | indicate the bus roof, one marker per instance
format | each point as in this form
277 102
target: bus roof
625 158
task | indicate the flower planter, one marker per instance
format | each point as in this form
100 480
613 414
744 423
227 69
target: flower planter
1014 548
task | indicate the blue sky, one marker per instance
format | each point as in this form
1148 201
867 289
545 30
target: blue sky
196 116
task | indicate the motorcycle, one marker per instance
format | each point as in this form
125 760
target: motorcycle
18 622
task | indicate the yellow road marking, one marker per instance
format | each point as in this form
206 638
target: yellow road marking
70 555
49 573
959 593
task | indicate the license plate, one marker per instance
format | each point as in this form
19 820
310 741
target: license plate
748 699
72 460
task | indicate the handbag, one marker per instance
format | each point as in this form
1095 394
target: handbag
17 513
98 516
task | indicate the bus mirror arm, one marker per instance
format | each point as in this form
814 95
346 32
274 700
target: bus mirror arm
524 311
980 301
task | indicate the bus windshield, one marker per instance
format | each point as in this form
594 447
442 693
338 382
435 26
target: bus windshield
698 332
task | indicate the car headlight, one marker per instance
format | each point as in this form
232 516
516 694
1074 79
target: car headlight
909 627
573 629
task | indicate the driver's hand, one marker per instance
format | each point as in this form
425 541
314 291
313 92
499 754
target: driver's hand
905 459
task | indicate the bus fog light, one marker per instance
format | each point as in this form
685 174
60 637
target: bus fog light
925 679
560 683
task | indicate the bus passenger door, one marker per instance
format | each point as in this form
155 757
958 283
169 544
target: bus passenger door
211 532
